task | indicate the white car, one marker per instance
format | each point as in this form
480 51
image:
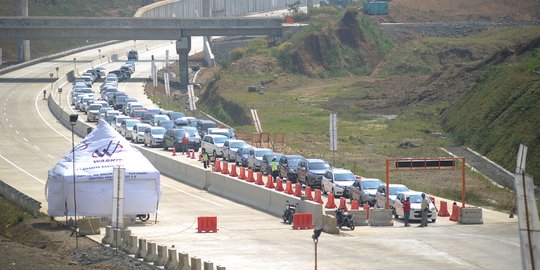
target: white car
137 132
154 136
337 181
230 147
380 196
213 144
255 157
415 198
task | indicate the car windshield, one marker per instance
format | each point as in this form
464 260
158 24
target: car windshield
370 184
220 139
131 123
120 119
138 113
158 131
237 144
318 165
246 150
175 116
94 107
293 162
344 177
142 129
396 190
167 125
415 198
260 153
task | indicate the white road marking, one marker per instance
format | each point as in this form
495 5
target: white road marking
51 156
16 131
194 196
10 125
25 139
36 147
42 118
5 114
7 120
22 170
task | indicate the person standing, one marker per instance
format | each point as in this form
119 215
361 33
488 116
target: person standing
205 158
407 211
274 167
424 208
185 142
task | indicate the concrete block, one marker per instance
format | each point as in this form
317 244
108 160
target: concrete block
132 245
196 263
219 267
183 261
116 239
89 226
161 258
329 224
141 251
151 255
331 212
381 217
108 236
208 266
172 260
125 240
470 215
359 217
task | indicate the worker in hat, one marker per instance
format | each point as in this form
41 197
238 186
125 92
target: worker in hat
424 209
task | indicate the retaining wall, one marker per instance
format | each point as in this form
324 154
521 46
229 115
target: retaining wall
19 199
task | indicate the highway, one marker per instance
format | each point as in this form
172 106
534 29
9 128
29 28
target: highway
32 141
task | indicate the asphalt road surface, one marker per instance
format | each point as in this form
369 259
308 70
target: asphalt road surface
32 141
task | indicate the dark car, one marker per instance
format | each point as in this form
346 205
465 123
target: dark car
173 138
133 55
242 155
310 172
147 117
287 167
266 164
175 115
364 190
203 125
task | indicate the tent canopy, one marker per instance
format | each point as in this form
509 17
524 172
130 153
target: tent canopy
95 157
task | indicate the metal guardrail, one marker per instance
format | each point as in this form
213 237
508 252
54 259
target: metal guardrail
20 199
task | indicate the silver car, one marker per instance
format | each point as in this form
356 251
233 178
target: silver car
137 133
153 136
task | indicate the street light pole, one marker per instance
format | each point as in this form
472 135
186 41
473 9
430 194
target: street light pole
52 82
99 52
316 233
75 66
73 121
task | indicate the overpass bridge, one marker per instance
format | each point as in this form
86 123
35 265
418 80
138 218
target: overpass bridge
127 28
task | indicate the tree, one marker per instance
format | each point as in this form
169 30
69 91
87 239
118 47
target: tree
294 7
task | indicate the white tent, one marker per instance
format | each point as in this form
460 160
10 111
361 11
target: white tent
95 157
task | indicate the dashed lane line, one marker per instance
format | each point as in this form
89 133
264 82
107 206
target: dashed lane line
22 170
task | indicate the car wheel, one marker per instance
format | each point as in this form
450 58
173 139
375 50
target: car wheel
433 220
214 154
145 143
395 214
334 192
165 148
351 226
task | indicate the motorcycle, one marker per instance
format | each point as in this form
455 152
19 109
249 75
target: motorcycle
344 219
288 212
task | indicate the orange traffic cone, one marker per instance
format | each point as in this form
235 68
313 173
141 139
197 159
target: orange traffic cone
250 176
354 205
242 174
217 167
288 188
455 213
233 172
259 179
343 204
279 184
443 210
225 169
174 151
308 193
366 207
270 182
318 196
298 190
192 154
330 203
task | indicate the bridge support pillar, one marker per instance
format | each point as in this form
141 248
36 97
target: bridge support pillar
23 46
183 46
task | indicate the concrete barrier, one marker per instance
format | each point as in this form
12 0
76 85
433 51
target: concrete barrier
161 258
132 245
219 267
196 263
108 236
216 183
359 217
89 226
381 217
172 261
208 266
183 261
470 215
116 238
125 239
151 255
19 199
329 224
141 251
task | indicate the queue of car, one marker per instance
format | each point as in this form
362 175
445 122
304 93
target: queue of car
154 127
